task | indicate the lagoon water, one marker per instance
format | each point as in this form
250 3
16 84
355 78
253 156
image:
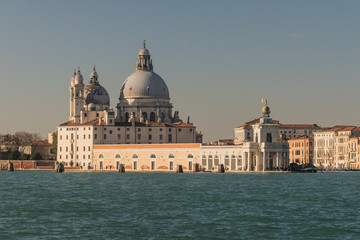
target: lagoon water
48 205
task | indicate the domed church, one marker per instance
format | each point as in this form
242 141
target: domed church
144 115
144 95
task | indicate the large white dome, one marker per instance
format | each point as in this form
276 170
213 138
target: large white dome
144 85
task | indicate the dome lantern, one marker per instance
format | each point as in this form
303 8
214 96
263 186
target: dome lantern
144 62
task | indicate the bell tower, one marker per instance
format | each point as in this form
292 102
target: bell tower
76 96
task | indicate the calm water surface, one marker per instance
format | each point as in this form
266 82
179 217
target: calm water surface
47 205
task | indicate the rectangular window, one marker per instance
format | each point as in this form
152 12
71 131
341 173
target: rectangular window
95 136
152 165
135 165
83 156
77 149
104 136
89 148
119 136
60 137
66 156
67 149
160 129
60 149
150 129
127 136
84 136
60 156
161 137
179 129
88 156
84 148
139 136
190 166
118 129
110 131
171 166
77 136
89 136
67 137
150 137
139 129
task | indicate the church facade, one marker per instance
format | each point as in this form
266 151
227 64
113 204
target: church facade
145 134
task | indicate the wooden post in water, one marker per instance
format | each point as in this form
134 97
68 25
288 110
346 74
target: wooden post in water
221 168
180 169
11 167
121 168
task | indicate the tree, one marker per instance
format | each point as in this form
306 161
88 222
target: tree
54 143
36 156
23 138
14 155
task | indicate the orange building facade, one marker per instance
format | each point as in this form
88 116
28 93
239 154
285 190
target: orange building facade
301 150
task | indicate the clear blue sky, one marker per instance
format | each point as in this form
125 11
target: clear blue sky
218 58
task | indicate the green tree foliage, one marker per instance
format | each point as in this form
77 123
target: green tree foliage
14 155
36 156
54 143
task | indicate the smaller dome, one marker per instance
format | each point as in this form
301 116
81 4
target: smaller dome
78 79
265 110
96 94
144 51
93 74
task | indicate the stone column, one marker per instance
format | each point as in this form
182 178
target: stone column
243 160
277 160
264 161
251 160
248 161
258 161
268 160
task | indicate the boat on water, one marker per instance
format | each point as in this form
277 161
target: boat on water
304 168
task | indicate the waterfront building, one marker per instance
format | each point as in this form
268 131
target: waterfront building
301 150
257 147
144 115
332 147
289 131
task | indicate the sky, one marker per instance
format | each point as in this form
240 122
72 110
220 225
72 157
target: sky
218 58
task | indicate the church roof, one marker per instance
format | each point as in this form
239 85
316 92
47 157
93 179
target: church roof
253 122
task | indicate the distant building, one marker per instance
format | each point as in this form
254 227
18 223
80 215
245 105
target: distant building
333 147
301 150
289 131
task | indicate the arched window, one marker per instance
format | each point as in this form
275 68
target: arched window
190 155
169 138
153 156
233 162
152 117
216 160
135 156
126 117
145 116
227 160
203 160
171 155
210 162
239 160
117 156
101 156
